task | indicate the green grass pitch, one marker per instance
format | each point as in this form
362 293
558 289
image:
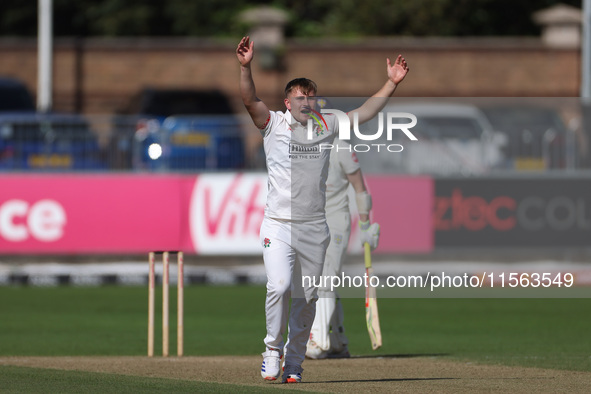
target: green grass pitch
229 320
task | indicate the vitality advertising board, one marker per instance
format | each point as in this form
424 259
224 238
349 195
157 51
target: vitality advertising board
207 214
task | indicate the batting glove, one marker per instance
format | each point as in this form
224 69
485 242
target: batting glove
370 234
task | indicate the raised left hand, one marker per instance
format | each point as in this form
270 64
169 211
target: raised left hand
398 70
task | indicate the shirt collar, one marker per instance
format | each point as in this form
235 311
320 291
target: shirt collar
293 123
289 117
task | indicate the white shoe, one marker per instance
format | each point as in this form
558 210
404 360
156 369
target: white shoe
270 369
292 374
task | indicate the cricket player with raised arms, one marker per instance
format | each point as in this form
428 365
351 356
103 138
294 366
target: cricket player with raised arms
294 234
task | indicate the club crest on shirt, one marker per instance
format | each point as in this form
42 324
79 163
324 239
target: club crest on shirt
266 243
338 239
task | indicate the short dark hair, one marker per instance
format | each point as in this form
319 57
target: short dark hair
306 85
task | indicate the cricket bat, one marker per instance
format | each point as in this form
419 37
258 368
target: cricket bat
371 304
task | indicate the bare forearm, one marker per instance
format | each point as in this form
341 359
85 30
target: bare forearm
396 73
375 103
257 110
386 91
247 88
356 180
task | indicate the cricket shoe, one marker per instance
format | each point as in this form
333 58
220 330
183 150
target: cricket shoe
292 374
270 369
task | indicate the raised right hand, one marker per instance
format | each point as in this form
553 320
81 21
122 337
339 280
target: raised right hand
245 51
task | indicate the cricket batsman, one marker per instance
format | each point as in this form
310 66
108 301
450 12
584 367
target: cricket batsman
327 338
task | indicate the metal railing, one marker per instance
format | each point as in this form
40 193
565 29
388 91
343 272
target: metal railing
213 143
122 143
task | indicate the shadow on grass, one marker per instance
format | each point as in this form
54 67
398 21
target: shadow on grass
401 355
381 380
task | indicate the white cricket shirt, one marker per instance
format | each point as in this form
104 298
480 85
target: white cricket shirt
297 166
343 161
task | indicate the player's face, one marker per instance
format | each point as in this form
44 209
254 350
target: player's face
300 105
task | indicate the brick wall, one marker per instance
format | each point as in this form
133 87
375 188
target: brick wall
98 76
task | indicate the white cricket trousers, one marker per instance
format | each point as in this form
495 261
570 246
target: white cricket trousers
328 330
291 250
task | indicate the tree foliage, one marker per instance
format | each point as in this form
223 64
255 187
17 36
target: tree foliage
314 18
